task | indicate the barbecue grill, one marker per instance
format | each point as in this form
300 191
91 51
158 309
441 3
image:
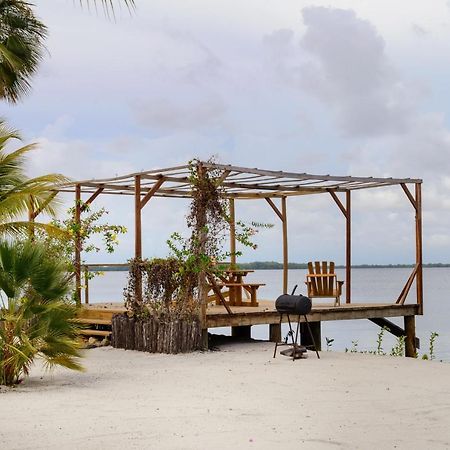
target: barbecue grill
298 305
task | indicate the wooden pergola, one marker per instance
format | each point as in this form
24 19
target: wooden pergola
243 183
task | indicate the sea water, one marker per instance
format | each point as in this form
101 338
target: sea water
368 286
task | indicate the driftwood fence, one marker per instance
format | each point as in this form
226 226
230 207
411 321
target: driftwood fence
156 336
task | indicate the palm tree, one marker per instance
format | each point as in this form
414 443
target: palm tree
22 37
20 194
35 319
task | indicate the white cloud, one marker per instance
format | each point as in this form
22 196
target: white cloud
349 90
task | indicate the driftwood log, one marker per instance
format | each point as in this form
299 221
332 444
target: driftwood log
156 335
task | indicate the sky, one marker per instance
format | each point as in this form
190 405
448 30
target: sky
346 88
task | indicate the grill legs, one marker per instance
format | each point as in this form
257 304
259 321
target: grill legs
297 350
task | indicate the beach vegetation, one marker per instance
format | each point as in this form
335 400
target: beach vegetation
164 295
380 336
20 194
399 348
354 347
432 340
95 234
36 313
22 37
171 286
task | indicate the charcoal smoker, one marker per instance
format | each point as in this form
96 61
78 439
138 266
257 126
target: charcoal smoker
294 305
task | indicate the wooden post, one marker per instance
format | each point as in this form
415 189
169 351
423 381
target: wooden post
348 250
86 285
78 245
242 332
419 276
138 234
316 331
202 284
285 246
410 341
232 234
275 332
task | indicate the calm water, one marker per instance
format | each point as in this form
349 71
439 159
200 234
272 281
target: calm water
369 285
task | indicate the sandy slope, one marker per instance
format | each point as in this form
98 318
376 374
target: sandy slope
237 398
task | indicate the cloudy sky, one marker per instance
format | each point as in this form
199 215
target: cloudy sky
355 89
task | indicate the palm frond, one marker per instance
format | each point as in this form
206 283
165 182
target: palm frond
22 229
37 321
22 48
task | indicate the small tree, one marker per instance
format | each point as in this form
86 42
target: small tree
36 318
90 228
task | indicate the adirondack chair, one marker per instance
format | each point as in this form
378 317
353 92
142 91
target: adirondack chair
322 282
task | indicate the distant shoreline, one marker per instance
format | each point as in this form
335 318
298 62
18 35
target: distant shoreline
273 265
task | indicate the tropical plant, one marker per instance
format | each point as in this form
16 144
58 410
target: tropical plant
89 229
19 194
173 286
107 5
36 319
22 38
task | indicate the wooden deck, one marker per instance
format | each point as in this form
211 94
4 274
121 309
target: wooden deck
265 313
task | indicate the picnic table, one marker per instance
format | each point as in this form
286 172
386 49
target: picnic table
233 282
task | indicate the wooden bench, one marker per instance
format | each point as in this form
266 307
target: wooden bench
235 293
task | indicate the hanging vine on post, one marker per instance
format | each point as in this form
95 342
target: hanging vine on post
176 286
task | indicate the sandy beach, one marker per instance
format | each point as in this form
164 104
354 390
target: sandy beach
238 397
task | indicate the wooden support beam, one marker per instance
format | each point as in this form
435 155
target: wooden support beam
419 276
283 217
137 235
201 226
223 177
93 197
137 218
346 211
275 332
274 207
402 297
338 202
86 284
44 205
151 192
285 246
316 331
392 328
218 293
346 312
78 245
348 250
409 195
232 234
410 341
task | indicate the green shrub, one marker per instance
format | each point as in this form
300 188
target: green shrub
36 319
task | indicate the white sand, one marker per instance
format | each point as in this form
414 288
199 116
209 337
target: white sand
237 398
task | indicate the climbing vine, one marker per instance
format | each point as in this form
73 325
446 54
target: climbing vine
168 289
170 286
